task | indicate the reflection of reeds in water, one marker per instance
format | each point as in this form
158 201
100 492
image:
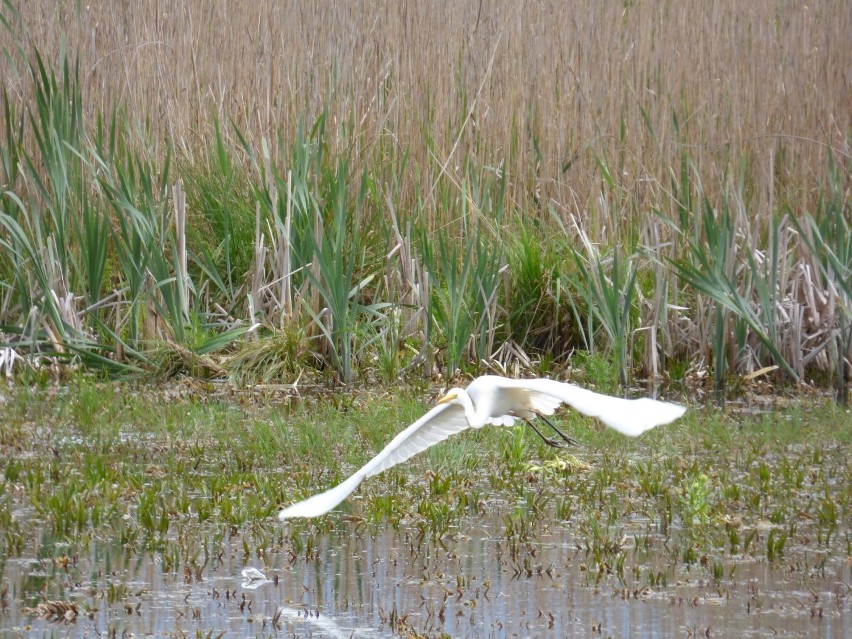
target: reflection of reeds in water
54 611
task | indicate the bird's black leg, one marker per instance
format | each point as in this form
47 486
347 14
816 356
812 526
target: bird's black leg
547 440
568 440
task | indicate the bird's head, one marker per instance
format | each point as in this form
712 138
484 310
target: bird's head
452 395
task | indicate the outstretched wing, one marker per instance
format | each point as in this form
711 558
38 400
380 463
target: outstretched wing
628 416
435 426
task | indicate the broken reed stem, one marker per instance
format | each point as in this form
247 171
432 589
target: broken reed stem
179 199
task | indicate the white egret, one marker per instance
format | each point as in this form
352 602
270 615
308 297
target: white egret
499 401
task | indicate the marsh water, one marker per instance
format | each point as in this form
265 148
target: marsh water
383 582
149 518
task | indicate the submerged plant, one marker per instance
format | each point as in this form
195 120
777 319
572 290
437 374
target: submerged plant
695 502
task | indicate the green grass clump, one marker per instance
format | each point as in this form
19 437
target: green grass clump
277 355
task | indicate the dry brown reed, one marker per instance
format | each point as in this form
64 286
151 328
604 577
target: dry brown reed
546 86
596 114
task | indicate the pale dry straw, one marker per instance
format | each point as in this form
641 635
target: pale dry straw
543 82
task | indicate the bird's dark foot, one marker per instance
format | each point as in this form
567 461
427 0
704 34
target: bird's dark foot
556 443
565 438
553 443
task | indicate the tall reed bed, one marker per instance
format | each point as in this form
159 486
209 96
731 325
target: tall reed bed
385 187
544 88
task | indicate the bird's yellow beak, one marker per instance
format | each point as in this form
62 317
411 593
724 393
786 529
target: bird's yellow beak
448 397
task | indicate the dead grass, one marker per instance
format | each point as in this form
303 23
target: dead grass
547 87
580 122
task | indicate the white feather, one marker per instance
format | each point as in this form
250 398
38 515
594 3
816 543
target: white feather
628 416
435 426
499 401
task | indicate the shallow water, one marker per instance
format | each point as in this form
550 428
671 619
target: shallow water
385 582
517 547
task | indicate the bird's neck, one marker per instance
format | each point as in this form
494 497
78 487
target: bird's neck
474 419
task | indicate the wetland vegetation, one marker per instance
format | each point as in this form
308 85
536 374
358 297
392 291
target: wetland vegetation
424 204
125 500
240 250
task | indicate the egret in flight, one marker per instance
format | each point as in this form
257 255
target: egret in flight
499 401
